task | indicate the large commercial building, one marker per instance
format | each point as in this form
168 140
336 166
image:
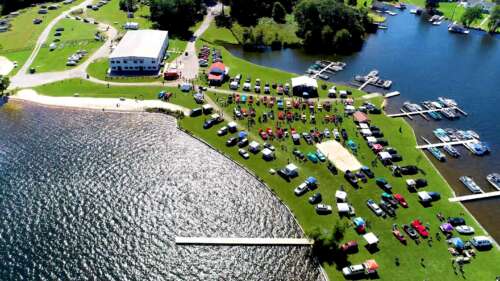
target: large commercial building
139 51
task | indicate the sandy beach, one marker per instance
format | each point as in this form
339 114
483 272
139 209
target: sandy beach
339 155
114 104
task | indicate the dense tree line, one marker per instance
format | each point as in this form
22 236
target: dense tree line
248 12
331 25
176 16
494 21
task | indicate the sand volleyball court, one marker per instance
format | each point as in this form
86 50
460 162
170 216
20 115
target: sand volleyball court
339 155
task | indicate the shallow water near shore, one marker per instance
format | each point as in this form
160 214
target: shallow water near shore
87 195
425 62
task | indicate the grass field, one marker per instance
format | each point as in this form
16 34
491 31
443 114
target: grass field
77 35
112 15
437 260
88 89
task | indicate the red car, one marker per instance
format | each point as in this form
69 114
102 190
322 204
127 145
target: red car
401 200
263 134
417 224
349 247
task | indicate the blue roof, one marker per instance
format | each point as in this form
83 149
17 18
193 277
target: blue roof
358 221
457 242
311 180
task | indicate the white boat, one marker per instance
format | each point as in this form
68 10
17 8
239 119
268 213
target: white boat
448 102
413 11
455 28
437 23
494 179
465 229
470 184
391 13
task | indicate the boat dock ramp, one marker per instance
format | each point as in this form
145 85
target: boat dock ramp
234 241
409 114
475 196
320 67
441 144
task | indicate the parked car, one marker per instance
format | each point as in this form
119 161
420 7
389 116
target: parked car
323 209
320 156
387 209
401 200
354 270
243 153
298 154
465 229
381 182
456 221
243 142
231 141
349 247
410 231
417 225
331 167
316 198
351 178
222 131
312 157
326 133
367 172
374 207
361 176
336 134
307 137
301 189
481 242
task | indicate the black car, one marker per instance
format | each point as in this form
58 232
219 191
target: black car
361 176
377 134
299 154
387 209
456 221
332 168
351 178
243 142
343 132
315 199
396 158
367 172
393 203
410 231
208 124
307 137
383 184
420 182
409 170
382 142
231 141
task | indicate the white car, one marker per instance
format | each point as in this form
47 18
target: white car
327 133
353 270
465 229
336 134
222 131
323 209
301 189
374 207
243 153
247 86
233 85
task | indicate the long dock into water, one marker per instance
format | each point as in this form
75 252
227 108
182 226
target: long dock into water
242 241
441 144
475 196
365 84
315 75
421 112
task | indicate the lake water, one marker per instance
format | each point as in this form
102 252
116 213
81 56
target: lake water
88 195
425 62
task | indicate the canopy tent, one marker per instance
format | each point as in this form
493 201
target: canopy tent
424 196
360 117
349 109
364 126
371 139
411 183
311 181
371 238
384 155
343 207
377 147
305 86
217 73
341 195
267 154
242 134
366 132
359 221
254 146
371 265
457 243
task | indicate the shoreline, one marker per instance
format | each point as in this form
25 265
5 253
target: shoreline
104 104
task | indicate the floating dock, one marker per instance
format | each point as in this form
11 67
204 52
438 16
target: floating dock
475 196
421 112
234 241
441 144
324 69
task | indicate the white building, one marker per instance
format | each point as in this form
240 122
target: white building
139 51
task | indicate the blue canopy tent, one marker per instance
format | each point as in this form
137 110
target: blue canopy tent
457 243
242 134
359 221
352 145
311 181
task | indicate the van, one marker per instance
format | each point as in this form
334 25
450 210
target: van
481 242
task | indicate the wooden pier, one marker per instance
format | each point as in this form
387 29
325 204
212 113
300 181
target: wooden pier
475 196
441 144
326 68
365 84
243 241
421 112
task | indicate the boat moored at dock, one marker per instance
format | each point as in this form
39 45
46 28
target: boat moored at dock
494 180
442 135
453 152
477 147
471 184
456 28
373 79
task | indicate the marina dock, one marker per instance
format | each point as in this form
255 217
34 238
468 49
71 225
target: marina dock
365 84
242 241
475 196
421 112
326 68
441 144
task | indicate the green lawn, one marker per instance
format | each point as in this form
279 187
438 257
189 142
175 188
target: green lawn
218 35
16 44
77 35
88 89
176 47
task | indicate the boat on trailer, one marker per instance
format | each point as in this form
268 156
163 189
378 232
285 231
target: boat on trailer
471 184
494 179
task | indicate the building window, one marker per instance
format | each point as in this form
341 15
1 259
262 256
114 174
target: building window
141 61
153 61
124 61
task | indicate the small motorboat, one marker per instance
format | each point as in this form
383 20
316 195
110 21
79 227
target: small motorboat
494 179
453 152
471 184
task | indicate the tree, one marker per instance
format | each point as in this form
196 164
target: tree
128 5
431 5
494 21
4 83
353 3
176 16
471 14
248 12
279 12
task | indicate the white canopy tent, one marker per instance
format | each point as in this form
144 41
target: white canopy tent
305 84
384 155
341 195
371 238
